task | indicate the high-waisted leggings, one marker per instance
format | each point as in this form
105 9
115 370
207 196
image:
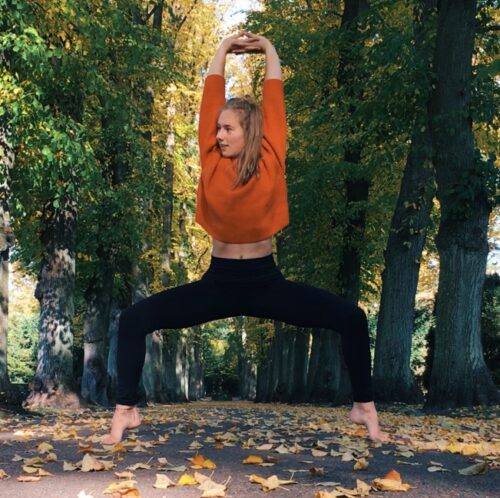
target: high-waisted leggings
242 287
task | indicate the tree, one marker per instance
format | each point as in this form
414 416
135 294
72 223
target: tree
464 187
393 379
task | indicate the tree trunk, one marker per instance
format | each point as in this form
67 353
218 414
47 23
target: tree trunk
247 368
196 386
112 335
459 374
95 380
393 378
7 158
328 380
53 382
299 374
356 188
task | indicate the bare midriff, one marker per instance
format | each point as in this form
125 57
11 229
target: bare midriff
242 251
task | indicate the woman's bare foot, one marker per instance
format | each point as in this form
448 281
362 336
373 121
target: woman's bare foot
366 414
125 417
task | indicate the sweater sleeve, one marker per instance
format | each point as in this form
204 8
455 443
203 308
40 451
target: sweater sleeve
274 117
211 102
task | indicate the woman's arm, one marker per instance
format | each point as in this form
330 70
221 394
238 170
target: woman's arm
235 44
260 44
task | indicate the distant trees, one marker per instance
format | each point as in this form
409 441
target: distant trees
98 105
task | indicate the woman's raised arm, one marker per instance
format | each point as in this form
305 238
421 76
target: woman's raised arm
260 44
235 44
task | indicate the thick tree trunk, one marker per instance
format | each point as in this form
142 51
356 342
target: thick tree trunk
176 371
7 158
356 189
328 379
95 379
299 374
459 375
53 382
393 379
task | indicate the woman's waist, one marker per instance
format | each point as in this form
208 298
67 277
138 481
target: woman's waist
247 250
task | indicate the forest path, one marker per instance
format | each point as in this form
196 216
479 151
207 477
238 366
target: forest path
316 445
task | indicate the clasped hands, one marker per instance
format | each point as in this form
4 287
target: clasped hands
246 43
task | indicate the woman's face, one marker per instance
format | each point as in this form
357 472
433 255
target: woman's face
230 134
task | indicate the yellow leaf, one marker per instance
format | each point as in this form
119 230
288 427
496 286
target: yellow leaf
256 478
473 470
390 485
121 487
3 474
44 473
255 459
186 480
28 478
282 449
361 464
30 470
163 482
208 464
124 475
44 448
318 453
90 463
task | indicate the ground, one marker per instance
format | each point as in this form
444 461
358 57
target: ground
317 447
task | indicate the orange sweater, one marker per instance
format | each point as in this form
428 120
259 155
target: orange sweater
259 209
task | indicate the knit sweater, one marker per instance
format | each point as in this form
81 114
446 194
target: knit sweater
254 211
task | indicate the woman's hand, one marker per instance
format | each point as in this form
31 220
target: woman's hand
255 44
236 44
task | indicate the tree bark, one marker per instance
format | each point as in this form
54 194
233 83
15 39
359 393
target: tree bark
459 374
393 378
7 159
299 374
95 379
356 188
53 381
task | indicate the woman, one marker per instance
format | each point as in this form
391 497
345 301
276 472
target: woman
242 203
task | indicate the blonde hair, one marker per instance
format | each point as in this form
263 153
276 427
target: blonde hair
250 117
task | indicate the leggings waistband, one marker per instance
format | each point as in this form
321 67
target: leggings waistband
243 270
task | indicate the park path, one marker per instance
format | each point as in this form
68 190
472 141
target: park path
308 444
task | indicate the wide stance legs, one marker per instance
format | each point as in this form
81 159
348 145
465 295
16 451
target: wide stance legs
251 287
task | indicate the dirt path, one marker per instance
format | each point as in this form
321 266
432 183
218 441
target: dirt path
228 432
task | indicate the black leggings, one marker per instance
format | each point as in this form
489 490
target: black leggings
242 287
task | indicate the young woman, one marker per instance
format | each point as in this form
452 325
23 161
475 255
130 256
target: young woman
242 203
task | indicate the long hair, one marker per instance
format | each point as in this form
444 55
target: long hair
250 117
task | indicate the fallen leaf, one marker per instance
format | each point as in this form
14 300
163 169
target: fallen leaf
163 482
3 474
69 467
317 471
90 463
125 475
123 488
253 459
318 453
139 465
435 468
361 464
186 480
44 448
28 478
474 470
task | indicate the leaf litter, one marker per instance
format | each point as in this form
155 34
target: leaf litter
316 432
